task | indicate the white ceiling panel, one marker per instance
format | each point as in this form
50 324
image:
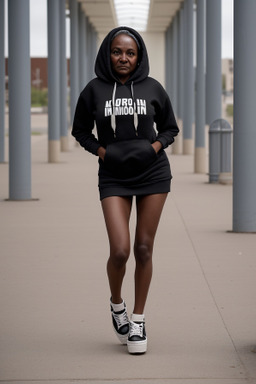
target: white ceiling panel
101 14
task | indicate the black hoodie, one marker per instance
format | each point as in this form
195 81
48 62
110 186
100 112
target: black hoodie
123 112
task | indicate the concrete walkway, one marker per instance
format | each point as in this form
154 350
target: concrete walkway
54 297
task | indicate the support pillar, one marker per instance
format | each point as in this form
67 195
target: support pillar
89 48
188 144
92 49
74 57
19 101
244 158
53 81
178 144
175 65
213 60
63 79
168 60
181 65
200 150
2 81
82 50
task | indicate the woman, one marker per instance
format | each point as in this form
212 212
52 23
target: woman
126 105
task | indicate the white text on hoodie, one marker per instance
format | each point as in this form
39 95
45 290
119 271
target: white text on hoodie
125 106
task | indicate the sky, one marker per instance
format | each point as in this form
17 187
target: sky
38 29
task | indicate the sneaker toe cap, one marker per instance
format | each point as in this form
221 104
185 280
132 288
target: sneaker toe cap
124 329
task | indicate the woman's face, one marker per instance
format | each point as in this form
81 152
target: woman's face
124 56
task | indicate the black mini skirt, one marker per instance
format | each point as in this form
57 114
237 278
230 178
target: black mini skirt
133 168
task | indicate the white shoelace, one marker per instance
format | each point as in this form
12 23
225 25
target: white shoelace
136 329
121 319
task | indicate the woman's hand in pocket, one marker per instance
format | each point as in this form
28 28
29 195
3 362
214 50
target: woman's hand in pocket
101 153
157 146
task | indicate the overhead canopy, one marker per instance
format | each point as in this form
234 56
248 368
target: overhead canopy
102 15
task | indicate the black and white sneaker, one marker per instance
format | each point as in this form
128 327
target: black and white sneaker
137 339
120 322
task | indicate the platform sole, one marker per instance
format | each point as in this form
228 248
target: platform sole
135 347
122 338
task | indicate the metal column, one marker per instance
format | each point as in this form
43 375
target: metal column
93 48
213 60
82 50
177 70
89 51
63 79
175 64
178 144
168 60
181 65
244 180
200 150
188 146
19 101
2 81
53 81
74 55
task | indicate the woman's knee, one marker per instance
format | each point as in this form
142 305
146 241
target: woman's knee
119 257
143 252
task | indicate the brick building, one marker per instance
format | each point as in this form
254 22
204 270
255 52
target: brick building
39 72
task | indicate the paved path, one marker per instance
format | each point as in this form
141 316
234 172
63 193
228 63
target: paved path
54 298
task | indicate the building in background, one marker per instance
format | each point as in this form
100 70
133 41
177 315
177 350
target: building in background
228 89
39 75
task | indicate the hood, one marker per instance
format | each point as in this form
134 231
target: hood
103 64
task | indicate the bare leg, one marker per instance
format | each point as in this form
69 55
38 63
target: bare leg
117 212
149 209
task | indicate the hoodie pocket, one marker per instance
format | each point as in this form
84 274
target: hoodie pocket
129 158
